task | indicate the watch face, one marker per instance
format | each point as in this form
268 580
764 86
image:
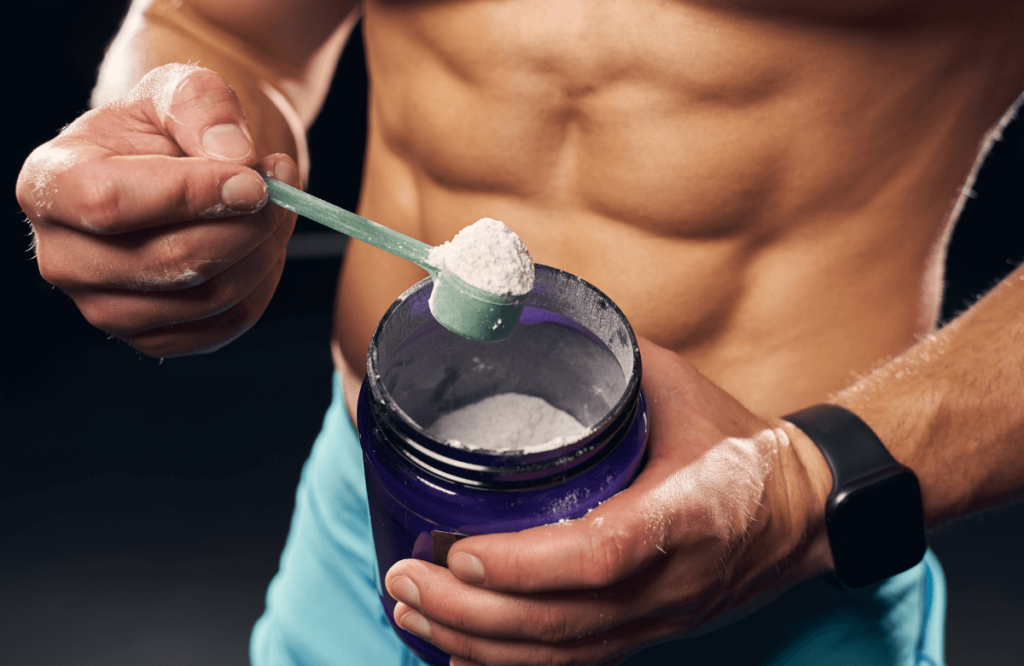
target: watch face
876 527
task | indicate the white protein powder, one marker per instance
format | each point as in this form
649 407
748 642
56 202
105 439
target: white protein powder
489 256
506 422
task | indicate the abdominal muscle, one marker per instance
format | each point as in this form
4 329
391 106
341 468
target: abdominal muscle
767 195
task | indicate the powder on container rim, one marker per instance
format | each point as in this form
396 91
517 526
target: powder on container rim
489 256
506 422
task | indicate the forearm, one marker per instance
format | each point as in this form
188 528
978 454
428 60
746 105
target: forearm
279 57
952 407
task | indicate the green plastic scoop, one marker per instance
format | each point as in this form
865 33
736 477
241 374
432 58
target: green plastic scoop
459 306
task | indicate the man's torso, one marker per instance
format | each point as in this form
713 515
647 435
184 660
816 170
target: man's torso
762 188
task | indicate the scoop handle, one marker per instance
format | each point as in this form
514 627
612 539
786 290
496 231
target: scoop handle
349 223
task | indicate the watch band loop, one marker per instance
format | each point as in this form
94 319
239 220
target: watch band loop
850 446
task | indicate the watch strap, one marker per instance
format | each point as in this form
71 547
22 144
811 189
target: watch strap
851 448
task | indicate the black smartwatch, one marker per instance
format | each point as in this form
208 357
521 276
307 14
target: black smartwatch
873 515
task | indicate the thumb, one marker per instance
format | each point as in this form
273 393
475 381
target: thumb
607 545
199 110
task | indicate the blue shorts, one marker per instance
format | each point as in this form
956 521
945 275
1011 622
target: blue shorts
323 607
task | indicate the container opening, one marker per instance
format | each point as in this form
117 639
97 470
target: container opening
572 348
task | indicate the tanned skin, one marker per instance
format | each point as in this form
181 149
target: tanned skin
766 189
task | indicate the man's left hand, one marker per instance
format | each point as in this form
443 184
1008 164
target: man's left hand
726 515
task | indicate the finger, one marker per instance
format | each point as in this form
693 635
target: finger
616 540
210 334
176 257
551 618
609 647
172 257
107 194
198 109
223 324
125 313
114 170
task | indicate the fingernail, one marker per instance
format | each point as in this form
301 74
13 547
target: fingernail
285 172
403 589
415 623
244 192
227 141
466 567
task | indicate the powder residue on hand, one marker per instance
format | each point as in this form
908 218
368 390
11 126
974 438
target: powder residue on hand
489 256
506 422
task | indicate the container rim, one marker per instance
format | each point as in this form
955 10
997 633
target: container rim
499 463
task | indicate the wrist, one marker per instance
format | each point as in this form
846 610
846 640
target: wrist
809 491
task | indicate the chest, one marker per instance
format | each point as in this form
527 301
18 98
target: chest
685 117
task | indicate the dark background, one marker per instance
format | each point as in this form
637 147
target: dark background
143 505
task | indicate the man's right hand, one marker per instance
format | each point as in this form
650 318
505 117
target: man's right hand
147 213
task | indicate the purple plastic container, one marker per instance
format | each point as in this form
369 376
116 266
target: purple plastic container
573 347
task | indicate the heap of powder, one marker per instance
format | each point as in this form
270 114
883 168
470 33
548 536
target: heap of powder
489 256
505 422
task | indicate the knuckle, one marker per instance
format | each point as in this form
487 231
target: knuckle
192 78
176 88
36 188
244 316
55 271
99 204
249 311
221 293
468 651
171 341
173 71
106 313
49 270
26 189
607 558
156 347
103 319
162 83
447 610
705 518
551 625
275 221
199 88
177 263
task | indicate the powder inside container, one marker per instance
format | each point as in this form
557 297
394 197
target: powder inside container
428 371
505 422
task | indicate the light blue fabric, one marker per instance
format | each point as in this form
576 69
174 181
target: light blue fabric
322 606
897 622
323 609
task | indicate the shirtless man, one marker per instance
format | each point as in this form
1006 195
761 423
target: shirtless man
765 188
